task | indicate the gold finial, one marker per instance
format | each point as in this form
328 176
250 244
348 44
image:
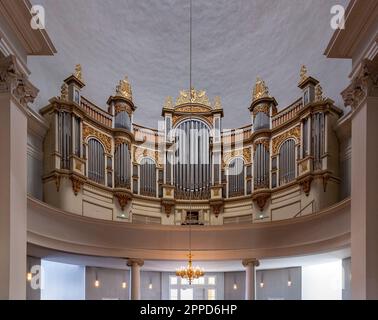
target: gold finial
168 104
124 89
64 92
78 72
318 93
303 74
217 103
260 90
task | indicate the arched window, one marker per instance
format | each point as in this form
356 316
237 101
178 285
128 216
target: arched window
192 168
122 166
261 167
96 161
287 162
236 178
148 177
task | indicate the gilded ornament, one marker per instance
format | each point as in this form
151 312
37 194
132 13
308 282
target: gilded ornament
292 133
319 93
303 74
120 107
168 104
260 90
78 72
193 96
91 132
265 143
217 103
64 92
261 108
124 89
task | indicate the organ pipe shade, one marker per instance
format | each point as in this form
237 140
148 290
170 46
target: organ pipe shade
287 162
148 177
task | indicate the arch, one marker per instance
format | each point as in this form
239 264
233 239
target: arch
192 163
236 177
96 160
287 161
193 118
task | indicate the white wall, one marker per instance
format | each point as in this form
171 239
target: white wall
62 281
322 281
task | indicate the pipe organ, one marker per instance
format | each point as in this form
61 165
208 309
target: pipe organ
101 161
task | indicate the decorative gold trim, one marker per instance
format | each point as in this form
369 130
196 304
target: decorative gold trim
120 107
91 132
78 72
303 74
261 108
292 133
76 184
124 89
264 142
64 92
123 199
245 153
119 141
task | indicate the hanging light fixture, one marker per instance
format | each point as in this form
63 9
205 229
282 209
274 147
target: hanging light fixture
189 272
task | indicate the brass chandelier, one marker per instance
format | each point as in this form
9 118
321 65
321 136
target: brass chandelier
189 272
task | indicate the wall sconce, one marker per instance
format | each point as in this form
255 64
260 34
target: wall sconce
289 280
150 285
124 285
262 280
97 282
235 286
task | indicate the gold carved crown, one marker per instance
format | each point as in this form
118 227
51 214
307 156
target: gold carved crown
193 96
124 89
260 90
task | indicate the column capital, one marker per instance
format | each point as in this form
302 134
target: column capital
15 82
251 261
132 262
363 84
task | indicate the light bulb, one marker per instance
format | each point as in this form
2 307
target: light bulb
97 283
235 286
124 285
289 283
150 286
29 276
261 284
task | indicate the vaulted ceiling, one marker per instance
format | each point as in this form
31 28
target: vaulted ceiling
233 43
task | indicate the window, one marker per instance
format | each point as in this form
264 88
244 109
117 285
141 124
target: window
211 294
96 161
173 280
287 162
211 280
186 294
173 294
236 178
148 177
122 164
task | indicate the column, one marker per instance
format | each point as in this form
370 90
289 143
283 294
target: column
15 92
250 283
135 265
362 96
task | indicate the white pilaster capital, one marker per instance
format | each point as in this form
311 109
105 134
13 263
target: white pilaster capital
15 82
364 84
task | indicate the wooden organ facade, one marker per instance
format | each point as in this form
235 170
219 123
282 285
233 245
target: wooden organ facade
101 164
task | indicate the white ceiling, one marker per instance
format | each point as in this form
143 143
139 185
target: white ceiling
233 42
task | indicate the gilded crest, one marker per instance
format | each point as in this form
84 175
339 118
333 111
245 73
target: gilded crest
91 132
124 89
303 74
193 96
260 90
78 72
292 133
